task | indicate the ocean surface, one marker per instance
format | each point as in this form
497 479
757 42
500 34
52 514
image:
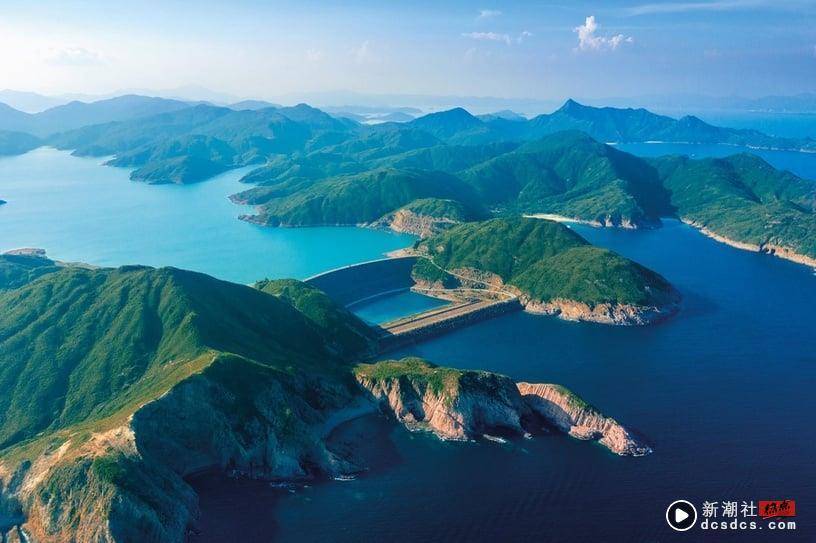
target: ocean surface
79 210
723 391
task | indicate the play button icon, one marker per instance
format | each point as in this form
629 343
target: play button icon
681 515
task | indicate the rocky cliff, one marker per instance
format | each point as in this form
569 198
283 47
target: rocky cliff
452 404
461 404
615 313
569 413
603 313
408 222
126 482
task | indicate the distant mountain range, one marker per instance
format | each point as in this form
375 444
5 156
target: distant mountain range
318 169
798 103
78 114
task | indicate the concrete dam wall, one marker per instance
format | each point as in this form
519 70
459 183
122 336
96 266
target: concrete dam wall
353 284
440 321
358 282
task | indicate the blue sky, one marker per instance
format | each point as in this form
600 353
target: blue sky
547 50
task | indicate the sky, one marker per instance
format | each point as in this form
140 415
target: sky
542 50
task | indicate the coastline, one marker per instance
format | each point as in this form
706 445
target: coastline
604 313
626 224
765 248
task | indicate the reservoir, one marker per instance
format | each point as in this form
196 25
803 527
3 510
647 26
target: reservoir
79 210
718 390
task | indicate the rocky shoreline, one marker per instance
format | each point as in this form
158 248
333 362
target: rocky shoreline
604 313
463 405
570 310
607 222
766 248
405 221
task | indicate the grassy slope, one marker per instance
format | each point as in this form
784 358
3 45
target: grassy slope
338 327
17 143
571 174
74 343
204 372
743 198
441 208
360 198
439 379
546 260
18 270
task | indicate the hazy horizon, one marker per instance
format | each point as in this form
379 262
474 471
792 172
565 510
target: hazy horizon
507 50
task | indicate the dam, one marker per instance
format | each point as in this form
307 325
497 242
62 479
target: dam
358 283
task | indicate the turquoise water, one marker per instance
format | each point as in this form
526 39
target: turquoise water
78 210
790 125
396 306
802 164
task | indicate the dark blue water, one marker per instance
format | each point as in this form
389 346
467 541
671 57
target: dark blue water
724 391
389 308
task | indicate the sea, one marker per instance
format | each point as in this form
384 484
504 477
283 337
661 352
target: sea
724 391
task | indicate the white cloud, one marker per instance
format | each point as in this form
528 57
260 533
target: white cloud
72 56
314 55
523 36
488 13
589 41
363 53
682 7
488 36
497 37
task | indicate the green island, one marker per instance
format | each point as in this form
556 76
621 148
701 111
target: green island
313 168
119 383
17 143
551 268
18 269
460 404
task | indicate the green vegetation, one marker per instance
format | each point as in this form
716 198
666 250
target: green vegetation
317 169
76 343
440 208
140 375
338 327
571 174
743 198
19 270
361 198
17 143
190 144
440 380
546 261
180 160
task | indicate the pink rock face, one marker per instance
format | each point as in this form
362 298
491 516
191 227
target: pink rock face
606 313
451 414
572 415
478 402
